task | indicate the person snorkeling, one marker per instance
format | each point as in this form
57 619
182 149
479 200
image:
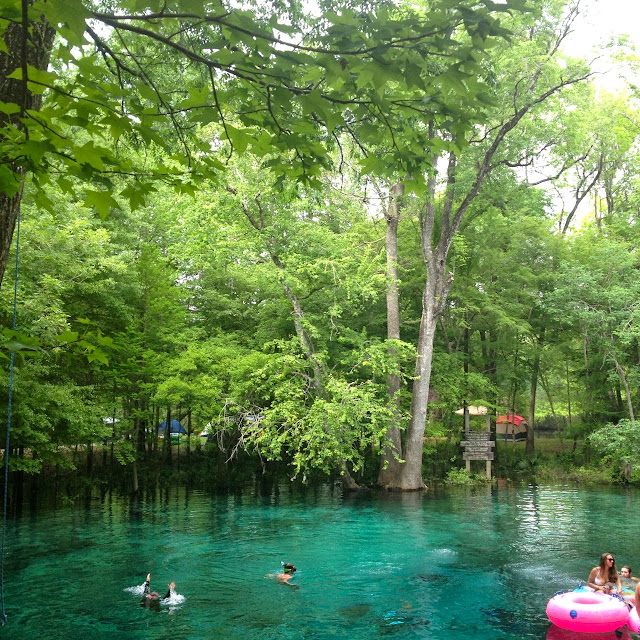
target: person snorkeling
288 570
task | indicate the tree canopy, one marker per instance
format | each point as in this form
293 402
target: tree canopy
320 233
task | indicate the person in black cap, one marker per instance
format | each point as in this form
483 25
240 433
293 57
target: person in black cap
284 577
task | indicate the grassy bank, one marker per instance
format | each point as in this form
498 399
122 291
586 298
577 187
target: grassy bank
554 460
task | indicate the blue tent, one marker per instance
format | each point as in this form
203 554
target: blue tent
176 427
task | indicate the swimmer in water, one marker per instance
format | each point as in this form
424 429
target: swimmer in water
629 583
151 599
288 571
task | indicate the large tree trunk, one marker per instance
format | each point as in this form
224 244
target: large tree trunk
627 390
434 296
166 443
27 44
535 372
530 446
412 470
9 209
390 465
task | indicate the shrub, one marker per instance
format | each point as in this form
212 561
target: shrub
462 478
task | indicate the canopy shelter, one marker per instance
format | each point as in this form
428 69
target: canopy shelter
176 427
511 427
473 411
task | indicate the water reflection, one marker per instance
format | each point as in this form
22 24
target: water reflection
414 565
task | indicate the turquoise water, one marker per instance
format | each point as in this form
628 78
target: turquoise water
456 564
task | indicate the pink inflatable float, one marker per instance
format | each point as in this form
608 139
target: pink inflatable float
634 621
587 612
556 633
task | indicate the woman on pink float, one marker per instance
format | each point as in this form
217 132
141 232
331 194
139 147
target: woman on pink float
605 577
587 612
598 610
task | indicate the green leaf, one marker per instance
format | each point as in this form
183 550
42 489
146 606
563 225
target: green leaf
194 6
238 138
70 14
9 108
98 355
9 182
67 336
117 125
148 92
135 195
88 154
43 201
65 185
365 76
14 346
102 201
47 78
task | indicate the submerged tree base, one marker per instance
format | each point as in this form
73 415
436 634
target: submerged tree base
207 468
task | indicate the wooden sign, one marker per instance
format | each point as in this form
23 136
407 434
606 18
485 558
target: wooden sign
477 446
477 455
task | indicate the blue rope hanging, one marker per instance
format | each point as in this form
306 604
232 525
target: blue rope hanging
3 615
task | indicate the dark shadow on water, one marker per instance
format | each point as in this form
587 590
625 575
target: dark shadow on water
355 611
515 622
398 621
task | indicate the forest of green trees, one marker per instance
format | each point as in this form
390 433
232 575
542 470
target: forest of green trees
319 230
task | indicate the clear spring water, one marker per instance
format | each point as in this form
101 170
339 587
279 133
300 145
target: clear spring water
459 564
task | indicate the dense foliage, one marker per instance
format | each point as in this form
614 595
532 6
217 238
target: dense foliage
250 184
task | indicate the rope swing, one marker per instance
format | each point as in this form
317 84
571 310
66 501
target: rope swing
3 614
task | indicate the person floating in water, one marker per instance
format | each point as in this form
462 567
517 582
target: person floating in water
605 577
629 583
625 574
151 599
288 571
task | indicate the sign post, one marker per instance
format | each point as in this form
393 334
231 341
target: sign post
477 445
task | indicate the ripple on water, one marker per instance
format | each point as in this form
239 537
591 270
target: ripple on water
452 564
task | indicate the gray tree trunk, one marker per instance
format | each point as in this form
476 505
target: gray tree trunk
434 297
530 446
390 465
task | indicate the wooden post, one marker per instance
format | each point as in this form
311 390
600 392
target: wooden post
466 433
488 424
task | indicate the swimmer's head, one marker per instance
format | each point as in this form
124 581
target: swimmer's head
288 567
625 571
